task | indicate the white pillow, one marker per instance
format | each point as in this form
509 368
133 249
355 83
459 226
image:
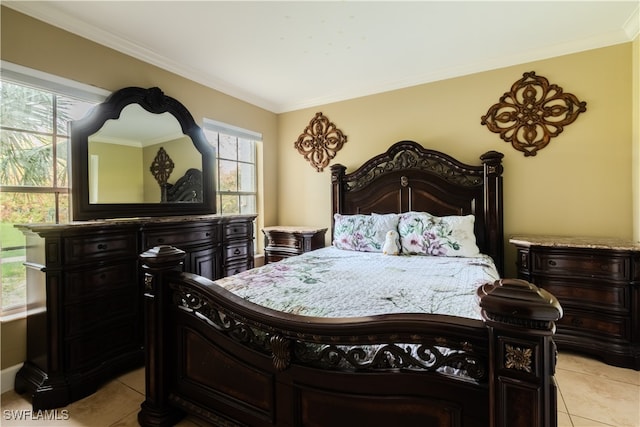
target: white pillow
426 234
364 233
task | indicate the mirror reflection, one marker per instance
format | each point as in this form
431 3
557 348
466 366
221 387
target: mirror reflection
121 158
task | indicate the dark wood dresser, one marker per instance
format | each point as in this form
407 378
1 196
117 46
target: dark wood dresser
84 294
597 282
285 241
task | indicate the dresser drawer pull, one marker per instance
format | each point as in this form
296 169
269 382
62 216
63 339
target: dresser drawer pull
237 252
102 246
207 234
552 263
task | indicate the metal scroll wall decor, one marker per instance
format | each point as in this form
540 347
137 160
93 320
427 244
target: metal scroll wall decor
532 113
320 142
161 168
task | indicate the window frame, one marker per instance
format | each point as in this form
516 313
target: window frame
58 87
239 134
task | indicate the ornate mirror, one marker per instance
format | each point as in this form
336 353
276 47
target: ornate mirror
140 153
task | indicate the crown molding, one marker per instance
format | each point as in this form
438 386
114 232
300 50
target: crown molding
52 16
632 25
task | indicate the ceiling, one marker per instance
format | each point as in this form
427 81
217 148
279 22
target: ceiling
284 56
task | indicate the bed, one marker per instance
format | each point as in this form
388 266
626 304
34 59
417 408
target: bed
232 356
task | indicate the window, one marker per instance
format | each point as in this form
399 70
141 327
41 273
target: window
35 110
236 167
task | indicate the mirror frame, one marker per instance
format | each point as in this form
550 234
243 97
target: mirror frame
154 101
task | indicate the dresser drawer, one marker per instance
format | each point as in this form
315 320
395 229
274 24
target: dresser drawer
96 314
103 345
236 251
99 281
588 293
581 265
576 322
237 267
177 236
238 230
101 247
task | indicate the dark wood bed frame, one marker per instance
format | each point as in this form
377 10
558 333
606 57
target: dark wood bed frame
214 355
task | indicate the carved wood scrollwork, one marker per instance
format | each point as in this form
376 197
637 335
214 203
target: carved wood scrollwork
532 113
518 358
320 141
161 168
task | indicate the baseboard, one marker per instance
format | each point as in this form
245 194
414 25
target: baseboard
8 376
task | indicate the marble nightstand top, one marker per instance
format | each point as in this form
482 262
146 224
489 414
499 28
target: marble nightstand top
576 242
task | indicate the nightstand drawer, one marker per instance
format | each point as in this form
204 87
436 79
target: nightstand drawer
606 297
572 265
285 240
598 327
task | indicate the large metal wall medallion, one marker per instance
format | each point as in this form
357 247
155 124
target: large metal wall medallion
532 113
320 141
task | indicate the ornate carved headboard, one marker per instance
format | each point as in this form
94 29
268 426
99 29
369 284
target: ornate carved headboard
409 177
188 188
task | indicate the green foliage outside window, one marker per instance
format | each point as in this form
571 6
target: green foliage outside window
34 147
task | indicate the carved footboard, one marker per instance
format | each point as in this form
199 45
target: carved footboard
211 354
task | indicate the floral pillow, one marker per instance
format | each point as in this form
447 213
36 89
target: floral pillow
425 234
364 233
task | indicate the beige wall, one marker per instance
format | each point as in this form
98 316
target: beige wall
119 173
31 43
635 114
580 184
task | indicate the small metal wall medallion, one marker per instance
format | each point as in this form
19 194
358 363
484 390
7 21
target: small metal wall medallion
320 141
532 113
518 358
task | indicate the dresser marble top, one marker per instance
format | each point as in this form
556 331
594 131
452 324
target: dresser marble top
576 242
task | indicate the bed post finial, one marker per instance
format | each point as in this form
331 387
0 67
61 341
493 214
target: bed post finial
521 320
157 263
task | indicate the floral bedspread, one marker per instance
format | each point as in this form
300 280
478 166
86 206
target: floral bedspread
331 282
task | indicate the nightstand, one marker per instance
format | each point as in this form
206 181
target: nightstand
285 241
597 281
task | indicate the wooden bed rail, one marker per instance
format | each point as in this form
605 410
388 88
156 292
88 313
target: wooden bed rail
519 321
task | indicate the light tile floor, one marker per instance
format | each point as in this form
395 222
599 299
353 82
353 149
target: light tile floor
591 394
